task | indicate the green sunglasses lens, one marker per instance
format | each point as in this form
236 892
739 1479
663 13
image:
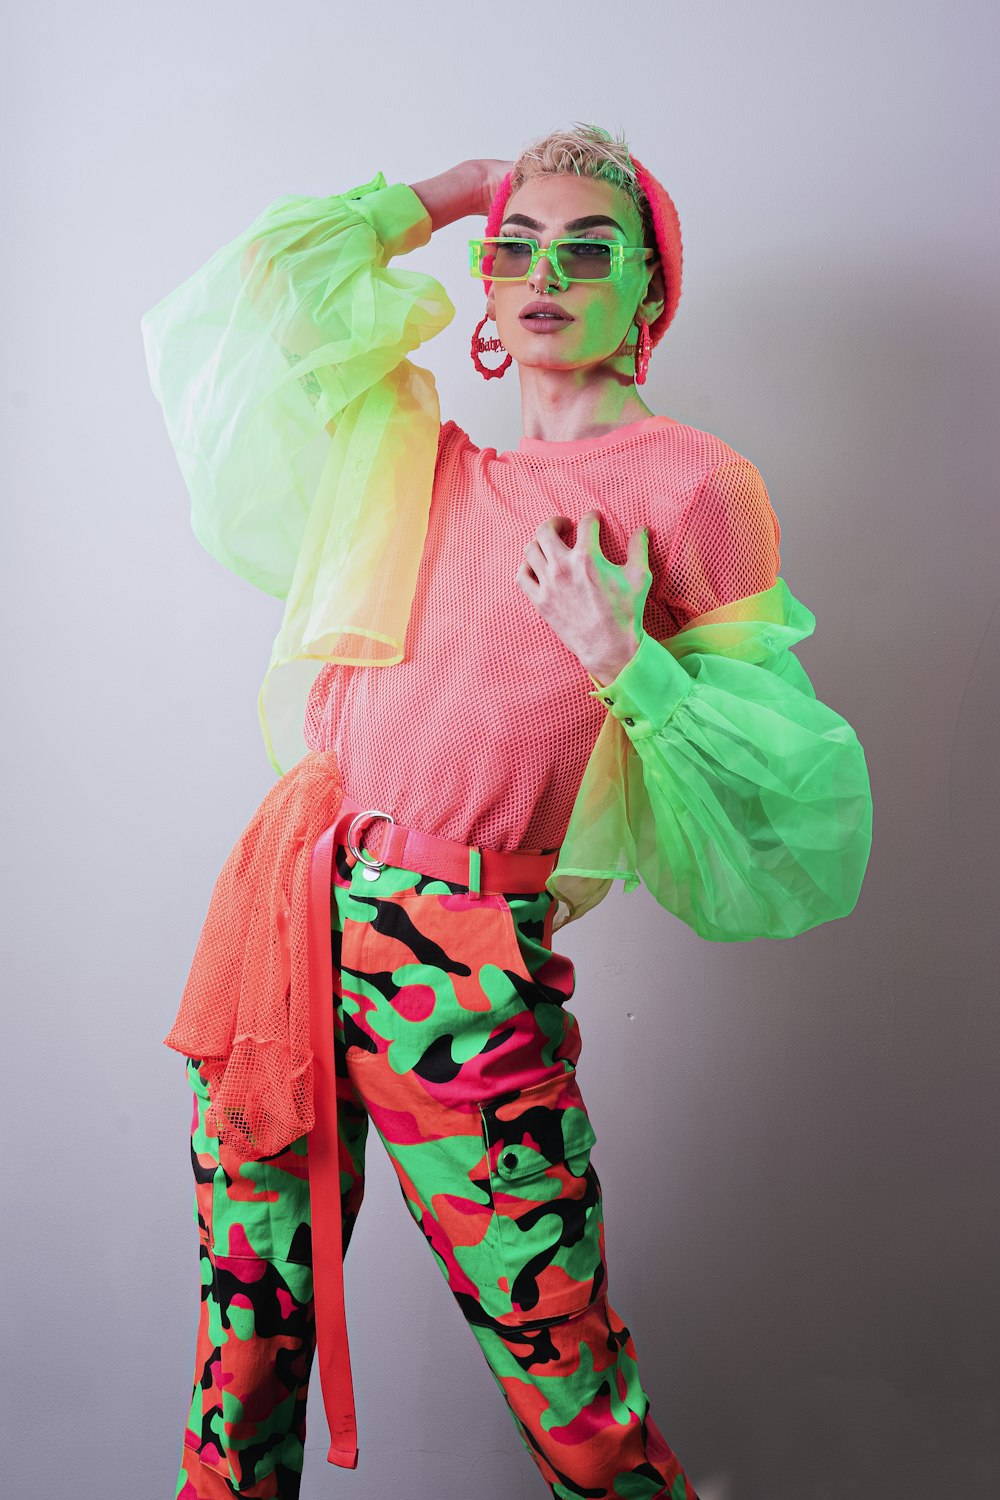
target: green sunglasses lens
506 258
586 260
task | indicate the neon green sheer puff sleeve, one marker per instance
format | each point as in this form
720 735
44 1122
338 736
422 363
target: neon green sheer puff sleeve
722 783
306 438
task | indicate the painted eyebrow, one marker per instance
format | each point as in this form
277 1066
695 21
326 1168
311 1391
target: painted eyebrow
589 221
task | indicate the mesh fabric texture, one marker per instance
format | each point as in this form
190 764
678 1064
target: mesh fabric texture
245 1007
483 732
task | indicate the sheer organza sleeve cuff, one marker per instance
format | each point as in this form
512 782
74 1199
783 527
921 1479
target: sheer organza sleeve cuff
740 801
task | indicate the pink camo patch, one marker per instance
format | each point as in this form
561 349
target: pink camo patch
590 1423
242 1259
460 1205
399 1125
414 1002
463 900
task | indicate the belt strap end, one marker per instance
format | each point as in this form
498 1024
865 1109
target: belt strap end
344 1458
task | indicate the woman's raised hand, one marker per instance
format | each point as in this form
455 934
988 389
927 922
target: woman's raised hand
463 190
493 172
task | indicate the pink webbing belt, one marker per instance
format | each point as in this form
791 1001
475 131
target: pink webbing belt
485 872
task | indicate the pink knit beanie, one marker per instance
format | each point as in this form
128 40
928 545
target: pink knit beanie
666 226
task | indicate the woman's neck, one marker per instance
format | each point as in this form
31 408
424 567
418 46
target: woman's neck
557 412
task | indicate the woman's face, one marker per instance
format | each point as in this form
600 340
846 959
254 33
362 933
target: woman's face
599 313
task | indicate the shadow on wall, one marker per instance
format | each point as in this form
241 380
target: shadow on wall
873 428
835 1332
715 1487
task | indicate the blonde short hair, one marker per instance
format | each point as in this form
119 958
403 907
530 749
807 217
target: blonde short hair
589 151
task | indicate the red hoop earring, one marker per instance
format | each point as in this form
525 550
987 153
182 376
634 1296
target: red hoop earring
488 346
643 349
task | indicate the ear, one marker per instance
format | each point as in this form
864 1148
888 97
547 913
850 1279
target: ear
655 299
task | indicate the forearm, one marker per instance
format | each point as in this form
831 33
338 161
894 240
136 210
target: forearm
450 195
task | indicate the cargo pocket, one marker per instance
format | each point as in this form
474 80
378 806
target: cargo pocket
548 1220
248 1210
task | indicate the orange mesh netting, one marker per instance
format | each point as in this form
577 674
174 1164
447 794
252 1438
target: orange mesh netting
245 1006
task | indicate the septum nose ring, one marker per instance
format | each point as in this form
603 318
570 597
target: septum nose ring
373 866
546 289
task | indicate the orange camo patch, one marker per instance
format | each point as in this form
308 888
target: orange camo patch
391 1101
464 1222
488 928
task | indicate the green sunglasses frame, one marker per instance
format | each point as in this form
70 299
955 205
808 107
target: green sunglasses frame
478 249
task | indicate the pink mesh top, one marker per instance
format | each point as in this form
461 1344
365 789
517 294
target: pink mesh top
483 732
318 468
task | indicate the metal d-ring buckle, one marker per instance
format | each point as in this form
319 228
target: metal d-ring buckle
373 866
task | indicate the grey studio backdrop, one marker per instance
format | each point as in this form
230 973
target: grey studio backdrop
797 1140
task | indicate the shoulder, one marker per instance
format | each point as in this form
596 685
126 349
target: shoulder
451 433
726 545
727 541
696 480
454 439
457 451
683 460
701 453
722 483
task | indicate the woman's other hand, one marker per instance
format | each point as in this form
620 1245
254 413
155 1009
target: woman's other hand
594 606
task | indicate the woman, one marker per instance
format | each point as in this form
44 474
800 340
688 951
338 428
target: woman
591 679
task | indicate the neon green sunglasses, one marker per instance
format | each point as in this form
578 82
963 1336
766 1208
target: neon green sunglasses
497 259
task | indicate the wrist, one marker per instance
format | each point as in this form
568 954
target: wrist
608 668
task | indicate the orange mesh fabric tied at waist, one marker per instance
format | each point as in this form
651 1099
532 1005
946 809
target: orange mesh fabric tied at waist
486 872
245 1006
257 1007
